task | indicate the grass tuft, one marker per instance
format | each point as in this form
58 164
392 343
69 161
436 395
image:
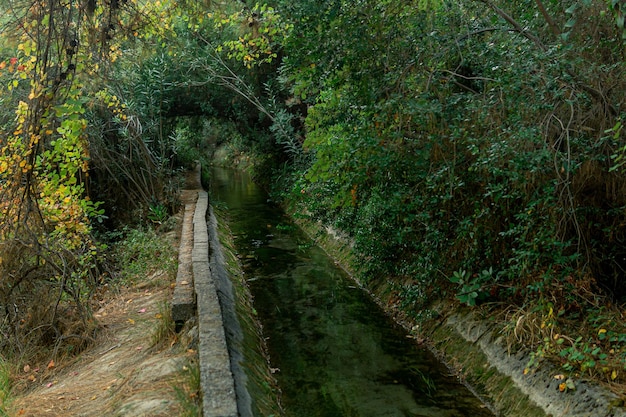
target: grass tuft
165 329
188 392
143 251
5 389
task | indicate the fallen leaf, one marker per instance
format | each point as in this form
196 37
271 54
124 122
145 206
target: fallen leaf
94 397
570 384
562 386
559 377
32 378
50 364
158 316
139 347
143 310
184 282
49 384
131 321
26 369
614 375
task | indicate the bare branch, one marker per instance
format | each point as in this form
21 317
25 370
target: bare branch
553 26
515 24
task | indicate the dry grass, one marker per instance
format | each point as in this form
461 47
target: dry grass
133 366
120 372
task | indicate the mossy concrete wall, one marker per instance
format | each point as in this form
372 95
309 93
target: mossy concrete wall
216 378
196 292
257 391
472 348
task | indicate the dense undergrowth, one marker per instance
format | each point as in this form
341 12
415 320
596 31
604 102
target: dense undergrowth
470 150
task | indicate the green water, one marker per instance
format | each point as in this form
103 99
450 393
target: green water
335 352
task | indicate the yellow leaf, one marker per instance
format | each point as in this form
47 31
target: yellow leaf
131 321
601 331
614 375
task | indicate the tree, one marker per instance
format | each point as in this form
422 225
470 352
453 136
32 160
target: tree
49 260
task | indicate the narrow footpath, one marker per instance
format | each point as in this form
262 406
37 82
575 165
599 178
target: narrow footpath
138 366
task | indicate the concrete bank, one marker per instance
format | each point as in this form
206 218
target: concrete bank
216 378
474 349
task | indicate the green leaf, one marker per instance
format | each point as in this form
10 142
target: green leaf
570 23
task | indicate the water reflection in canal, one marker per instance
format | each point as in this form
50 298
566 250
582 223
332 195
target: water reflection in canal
336 352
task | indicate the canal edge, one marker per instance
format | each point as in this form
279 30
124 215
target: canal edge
217 385
474 351
256 388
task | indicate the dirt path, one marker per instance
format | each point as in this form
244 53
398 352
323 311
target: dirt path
123 374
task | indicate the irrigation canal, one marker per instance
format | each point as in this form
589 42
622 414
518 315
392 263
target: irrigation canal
336 352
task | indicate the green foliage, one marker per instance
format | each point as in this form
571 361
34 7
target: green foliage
471 288
590 346
442 137
143 251
263 31
158 213
48 258
436 155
